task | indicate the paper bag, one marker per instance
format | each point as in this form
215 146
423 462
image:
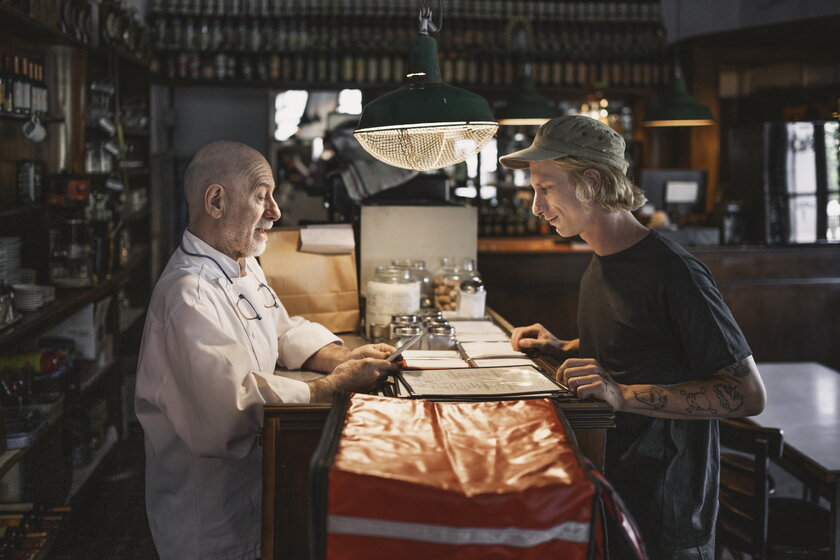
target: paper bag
321 288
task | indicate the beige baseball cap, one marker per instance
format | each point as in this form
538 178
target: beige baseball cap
572 135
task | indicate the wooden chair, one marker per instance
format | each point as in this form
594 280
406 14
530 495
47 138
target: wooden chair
751 522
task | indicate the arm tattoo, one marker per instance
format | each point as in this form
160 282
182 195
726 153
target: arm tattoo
654 397
729 397
738 369
698 401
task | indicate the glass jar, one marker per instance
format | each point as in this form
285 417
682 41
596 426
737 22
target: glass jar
403 321
428 316
405 332
467 265
391 291
418 269
440 337
445 283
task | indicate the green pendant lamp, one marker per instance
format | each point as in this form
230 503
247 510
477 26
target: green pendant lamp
426 124
528 106
677 107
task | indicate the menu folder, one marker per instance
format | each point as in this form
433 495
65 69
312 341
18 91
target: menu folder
482 383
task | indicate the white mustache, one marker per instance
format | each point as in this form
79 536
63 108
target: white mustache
265 225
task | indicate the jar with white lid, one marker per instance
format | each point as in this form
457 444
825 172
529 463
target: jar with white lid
391 291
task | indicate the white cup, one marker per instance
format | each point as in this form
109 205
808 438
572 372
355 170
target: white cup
34 130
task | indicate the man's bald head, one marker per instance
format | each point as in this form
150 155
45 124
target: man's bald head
230 164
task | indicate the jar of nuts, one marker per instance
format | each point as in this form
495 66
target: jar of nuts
446 281
445 284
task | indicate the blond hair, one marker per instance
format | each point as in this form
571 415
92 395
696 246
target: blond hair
616 191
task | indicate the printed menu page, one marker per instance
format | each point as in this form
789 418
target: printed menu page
497 381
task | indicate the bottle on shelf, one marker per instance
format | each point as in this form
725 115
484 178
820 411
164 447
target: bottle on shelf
7 87
20 103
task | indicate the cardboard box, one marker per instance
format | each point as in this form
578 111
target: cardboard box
88 328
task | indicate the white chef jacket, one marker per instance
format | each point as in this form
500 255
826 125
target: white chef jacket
203 376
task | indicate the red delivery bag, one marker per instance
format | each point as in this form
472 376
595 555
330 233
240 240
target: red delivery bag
402 479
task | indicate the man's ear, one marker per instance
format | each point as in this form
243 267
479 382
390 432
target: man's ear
214 201
593 177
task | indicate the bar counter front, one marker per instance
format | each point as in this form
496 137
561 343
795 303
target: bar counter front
291 433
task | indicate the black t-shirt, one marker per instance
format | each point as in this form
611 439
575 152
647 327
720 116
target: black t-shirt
653 315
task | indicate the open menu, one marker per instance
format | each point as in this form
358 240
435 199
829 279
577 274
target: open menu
478 383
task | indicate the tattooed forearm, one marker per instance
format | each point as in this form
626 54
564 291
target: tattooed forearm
729 397
654 397
698 401
738 369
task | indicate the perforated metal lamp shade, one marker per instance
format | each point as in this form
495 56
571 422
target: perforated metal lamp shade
527 107
425 124
677 107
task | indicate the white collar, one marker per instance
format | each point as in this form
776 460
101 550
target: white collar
195 244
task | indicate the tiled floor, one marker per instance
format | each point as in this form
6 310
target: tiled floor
109 521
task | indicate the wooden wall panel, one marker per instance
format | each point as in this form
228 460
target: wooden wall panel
786 300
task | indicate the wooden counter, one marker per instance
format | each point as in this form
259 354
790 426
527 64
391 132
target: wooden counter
786 299
291 433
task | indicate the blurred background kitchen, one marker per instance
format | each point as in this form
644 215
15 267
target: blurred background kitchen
729 110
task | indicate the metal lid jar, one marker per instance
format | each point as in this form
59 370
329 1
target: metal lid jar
391 291
445 284
419 272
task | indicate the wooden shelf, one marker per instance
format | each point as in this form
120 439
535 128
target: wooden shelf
19 24
90 373
21 211
10 457
83 473
489 90
13 116
64 306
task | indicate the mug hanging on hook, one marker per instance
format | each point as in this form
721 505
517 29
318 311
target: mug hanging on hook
34 130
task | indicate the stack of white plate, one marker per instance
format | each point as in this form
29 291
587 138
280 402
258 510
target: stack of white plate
10 260
29 297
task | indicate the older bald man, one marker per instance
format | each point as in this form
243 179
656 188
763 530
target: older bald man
213 336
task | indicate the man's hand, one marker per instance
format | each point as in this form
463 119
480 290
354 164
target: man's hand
586 378
332 355
537 337
357 376
378 351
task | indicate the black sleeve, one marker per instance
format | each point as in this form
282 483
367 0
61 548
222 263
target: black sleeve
702 321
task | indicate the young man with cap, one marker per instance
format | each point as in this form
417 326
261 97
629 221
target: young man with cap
657 342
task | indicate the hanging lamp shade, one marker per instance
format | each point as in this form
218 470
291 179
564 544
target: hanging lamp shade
527 107
677 107
426 124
